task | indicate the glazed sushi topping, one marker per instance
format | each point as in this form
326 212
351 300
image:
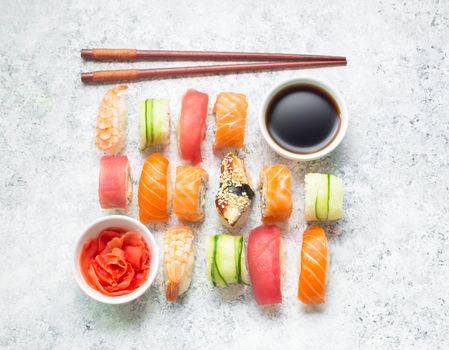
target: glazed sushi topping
234 193
234 189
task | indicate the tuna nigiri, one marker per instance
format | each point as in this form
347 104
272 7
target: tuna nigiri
276 196
312 278
192 125
154 189
111 122
179 256
114 185
189 193
230 116
266 264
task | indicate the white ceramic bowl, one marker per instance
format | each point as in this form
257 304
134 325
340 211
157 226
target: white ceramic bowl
304 156
92 231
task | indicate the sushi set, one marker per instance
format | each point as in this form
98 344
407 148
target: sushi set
117 258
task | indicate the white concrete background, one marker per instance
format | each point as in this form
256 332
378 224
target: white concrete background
389 272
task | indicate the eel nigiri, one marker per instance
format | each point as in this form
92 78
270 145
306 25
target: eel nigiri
154 189
312 278
114 185
111 122
189 194
192 125
324 197
154 122
179 256
226 260
235 194
266 264
230 116
275 193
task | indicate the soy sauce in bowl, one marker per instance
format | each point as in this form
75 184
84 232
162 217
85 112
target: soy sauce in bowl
303 119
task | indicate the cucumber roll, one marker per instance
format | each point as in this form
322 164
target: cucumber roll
226 260
154 122
324 197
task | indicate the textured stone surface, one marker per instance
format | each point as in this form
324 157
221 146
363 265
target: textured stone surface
389 257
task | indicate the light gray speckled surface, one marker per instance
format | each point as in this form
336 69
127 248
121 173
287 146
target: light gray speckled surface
390 256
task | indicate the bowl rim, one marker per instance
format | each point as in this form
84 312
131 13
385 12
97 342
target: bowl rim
154 264
328 88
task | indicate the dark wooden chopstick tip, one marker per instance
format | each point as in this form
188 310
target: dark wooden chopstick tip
87 53
87 77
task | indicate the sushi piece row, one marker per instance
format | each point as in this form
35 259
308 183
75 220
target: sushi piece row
323 192
230 111
262 266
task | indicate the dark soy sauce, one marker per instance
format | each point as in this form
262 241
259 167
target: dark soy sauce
303 119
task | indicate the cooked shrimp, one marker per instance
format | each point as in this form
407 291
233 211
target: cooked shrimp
111 122
179 255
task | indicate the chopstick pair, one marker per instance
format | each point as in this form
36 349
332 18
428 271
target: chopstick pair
278 61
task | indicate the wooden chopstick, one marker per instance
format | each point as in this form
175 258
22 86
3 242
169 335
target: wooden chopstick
133 54
136 74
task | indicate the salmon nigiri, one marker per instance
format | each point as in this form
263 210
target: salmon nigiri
192 125
111 122
230 115
179 256
275 192
312 279
154 189
189 193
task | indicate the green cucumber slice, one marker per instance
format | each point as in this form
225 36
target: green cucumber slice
316 193
243 269
149 119
225 258
321 197
142 126
226 263
310 189
161 121
210 251
238 244
212 268
335 198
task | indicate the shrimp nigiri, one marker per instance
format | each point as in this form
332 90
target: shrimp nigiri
179 256
111 122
